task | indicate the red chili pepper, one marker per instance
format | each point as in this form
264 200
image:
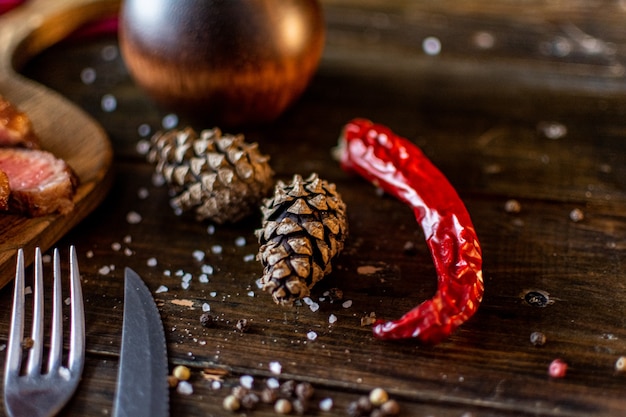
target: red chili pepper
401 169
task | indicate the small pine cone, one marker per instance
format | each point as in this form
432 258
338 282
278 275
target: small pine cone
304 229
221 177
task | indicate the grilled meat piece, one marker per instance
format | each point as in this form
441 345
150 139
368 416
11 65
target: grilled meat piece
15 127
39 182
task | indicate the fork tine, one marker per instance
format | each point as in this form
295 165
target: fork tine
77 336
16 333
36 351
56 336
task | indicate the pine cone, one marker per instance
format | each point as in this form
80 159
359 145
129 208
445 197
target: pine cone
304 229
221 177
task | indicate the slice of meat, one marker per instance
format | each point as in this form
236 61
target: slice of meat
40 183
5 191
15 127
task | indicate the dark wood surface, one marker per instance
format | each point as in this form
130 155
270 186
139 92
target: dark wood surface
479 109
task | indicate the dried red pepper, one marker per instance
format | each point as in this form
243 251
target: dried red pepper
401 169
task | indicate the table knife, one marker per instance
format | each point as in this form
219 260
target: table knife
142 387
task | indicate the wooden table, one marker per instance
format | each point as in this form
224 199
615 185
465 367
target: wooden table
511 102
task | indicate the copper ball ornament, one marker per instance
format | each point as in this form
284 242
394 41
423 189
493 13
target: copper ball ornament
233 61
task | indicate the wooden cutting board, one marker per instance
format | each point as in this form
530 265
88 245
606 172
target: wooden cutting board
64 129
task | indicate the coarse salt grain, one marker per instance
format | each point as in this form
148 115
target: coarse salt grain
347 304
314 306
249 257
431 46
326 404
198 255
246 381
276 368
132 217
105 270
169 121
88 75
151 262
161 289
108 103
109 53
552 130
143 193
143 147
250 293
272 383
216 385
206 307
203 278
512 206
217 249
128 252
576 215
184 388
207 269
158 180
144 130
332 319
184 285
311 335
210 229
89 254
65 373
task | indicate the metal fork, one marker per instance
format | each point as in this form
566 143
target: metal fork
35 392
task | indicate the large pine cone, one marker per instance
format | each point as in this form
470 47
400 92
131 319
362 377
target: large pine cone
221 177
304 229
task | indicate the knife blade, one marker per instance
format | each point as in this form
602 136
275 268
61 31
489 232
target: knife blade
142 387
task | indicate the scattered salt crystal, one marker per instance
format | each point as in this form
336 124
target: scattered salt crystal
105 270
89 254
68 301
128 252
576 215
246 381
28 290
161 289
184 388
326 404
552 130
127 239
143 130
108 103
158 180
249 257
259 283
484 40
170 121
273 383
240 241
65 373
314 307
311 335
431 45
216 249
216 385
203 278
88 75
142 147
207 269
167 273
347 304
307 300
151 262
109 52
250 293
133 217
198 255
184 285
276 368
332 319
512 206
210 229
179 273
206 307
213 294
187 277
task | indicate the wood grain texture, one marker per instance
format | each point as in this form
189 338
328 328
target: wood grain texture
64 129
480 116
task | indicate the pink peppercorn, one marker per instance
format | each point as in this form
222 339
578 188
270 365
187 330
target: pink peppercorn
557 368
